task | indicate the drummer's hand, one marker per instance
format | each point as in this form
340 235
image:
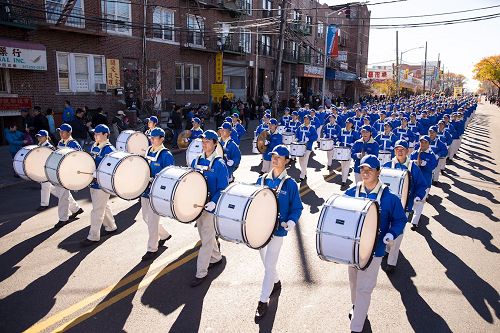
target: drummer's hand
288 226
210 206
186 140
358 155
307 139
423 162
388 238
230 162
266 142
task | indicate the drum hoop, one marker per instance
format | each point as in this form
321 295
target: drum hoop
319 227
152 196
24 159
377 207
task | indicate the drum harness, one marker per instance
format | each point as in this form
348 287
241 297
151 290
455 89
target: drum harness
157 154
202 169
276 191
379 194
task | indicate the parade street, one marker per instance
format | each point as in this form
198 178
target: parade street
446 280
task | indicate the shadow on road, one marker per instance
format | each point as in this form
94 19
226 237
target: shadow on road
266 324
310 198
305 264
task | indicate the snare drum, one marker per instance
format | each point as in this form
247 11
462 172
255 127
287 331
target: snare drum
384 156
298 149
288 138
398 182
347 231
254 147
179 193
196 148
124 175
341 153
133 142
71 169
281 129
29 163
247 214
325 144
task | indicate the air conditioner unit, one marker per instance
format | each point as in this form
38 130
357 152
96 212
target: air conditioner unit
101 87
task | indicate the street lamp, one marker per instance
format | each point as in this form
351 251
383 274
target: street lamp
401 63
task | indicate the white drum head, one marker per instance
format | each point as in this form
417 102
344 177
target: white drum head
138 143
35 163
76 170
190 197
194 149
261 218
131 177
368 236
405 190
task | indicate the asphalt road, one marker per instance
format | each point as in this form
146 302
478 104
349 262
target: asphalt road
446 280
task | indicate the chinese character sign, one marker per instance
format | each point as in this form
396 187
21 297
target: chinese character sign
219 68
22 55
113 73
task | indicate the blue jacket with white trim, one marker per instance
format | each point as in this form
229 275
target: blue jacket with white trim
231 153
215 172
370 147
98 154
158 160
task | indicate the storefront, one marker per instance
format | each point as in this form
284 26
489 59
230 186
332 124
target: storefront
235 78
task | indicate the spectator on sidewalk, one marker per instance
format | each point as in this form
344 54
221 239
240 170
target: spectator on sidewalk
49 114
99 118
119 123
40 122
80 128
177 124
68 113
15 139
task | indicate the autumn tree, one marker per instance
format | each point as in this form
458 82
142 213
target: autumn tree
488 69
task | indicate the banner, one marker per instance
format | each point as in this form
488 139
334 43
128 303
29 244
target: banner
113 73
332 41
22 55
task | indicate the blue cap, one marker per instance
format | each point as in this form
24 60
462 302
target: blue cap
366 128
287 109
404 118
226 126
370 161
401 143
413 114
281 150
196 120
235 115
307 116
332 116
146 120
273 121
65 128
157 132
295 113
210 135
42 133
228 119
442 122
349 120
388 123
433 128
153 119
446 115
101 129
425 138
268 111
267 115
424 112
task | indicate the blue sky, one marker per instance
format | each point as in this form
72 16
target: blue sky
460 45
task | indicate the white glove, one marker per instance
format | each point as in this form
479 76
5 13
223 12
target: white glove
358 155
423 162
186 140
210 206
266 142
94 174
288 226
388 238
307 139
230 162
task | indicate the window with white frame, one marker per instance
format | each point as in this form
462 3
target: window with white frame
187 77
117 11
321 29
295 50
163 24
247 6
4 81
320 56
80 72
196 28
246 40
265 45
54 9
267 6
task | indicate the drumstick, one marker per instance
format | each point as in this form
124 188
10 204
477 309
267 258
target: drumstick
198 206
86 173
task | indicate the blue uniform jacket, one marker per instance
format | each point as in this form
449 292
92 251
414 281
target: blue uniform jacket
235 137
262 127
331 131
293 125
98 154
195 134
392 215
215 172
379 125
445 136
157 161
231 152
431 163
285 120
417 180
71 143
437 146
416 128
240 130
304 133
386 141
290 205
274 140
347 138
404 134
370 147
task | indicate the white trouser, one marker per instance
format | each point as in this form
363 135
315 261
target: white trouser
357 177
392 259
455 145
318 131
418 207
329 157
303 161
209 251
101 214
362 284
269 256
441 166
266 166
47 189
345 169
66 203
155 229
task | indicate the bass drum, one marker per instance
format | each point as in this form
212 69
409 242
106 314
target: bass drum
347 231
132 142
179 193
196 148
247 214
71 169
29 163
124 175
398 182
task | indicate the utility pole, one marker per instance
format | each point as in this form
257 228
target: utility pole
277 73
397 66
256 76
425 65
144 72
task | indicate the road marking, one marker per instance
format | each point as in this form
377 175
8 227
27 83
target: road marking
52 320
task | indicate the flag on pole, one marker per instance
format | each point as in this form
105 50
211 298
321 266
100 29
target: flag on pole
332 41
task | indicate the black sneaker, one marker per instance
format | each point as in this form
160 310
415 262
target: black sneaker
149 256
109 233
390 269
197 281
42 208
161 242
75 214
434 182
414 227
87 242
261 310
350 313
276 287
60 224
213 264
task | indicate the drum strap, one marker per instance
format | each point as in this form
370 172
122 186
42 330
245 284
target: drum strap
157 154
280 185
379 193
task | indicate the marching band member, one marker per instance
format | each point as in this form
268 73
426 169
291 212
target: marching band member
416 192
415 126
101 211
365 145
196 131
232 154
306 133
275 139
285 120
347 138
358 120
215 172
66 202
47 188
264 126
331 131
387 139
426 161
315 122
158 158
294 123
238 127
290 209
458 130
392 223
367 121
152 122
403 132
439 149
443 134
